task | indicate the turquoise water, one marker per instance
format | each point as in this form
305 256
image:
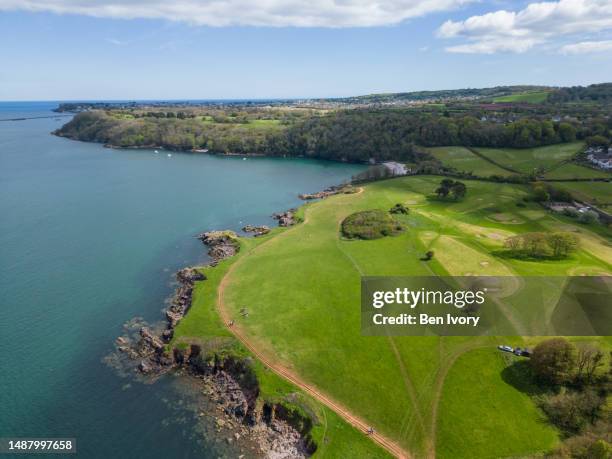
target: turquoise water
91 237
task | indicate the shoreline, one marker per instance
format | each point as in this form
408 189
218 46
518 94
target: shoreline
146 352
204 151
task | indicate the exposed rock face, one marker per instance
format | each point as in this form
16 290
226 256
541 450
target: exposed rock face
221 244
228 378
152 341
286 218
181 302
150 345
256 230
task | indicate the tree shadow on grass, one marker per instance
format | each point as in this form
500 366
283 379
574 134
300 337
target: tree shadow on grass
442 200
520 376
524 256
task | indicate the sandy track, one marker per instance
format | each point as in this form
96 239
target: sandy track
291 376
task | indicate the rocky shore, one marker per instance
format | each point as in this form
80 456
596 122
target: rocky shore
278 431
256 230
286 218
221 244
330 191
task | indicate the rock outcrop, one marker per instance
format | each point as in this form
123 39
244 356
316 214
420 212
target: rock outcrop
256 230
149 346
221 244
278 430
286 218
181 302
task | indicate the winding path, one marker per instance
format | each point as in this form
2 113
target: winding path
289 375
273 364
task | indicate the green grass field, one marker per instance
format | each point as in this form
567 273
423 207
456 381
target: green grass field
464 160
536 97
599 193
575 171
301 287
334 437
479 402
526 160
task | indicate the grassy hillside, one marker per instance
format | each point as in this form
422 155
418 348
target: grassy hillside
575 171
536 97
487 409
599 193
334 437
301 288
526 160
463 160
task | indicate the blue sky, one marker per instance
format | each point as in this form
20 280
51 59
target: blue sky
143 49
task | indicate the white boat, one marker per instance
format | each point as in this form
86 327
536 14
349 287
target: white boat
244 159
169 155
156 151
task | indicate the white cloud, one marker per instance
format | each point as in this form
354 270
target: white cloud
493 46
275 13
510 31
588 47
114 41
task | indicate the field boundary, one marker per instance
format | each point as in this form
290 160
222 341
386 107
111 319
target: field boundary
486 158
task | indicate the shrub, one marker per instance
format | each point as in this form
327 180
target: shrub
587 217
543 192
571 212
428 255
399 209
597 141
370 224
540 193
571 411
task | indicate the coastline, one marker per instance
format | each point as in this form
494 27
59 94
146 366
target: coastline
195 150
147 352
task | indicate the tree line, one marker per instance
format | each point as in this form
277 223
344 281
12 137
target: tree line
349 135
574 386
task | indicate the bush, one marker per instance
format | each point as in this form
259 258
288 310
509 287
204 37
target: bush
571 412
543 192
594 443
370 224
571 212
399 209
588 217
428 255
597 141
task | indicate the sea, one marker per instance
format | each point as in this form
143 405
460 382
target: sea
91 237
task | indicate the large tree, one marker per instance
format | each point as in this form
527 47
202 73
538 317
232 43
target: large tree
553 361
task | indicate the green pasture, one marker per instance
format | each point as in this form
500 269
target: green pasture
536 97
570 171
599 193
301 288
528 160
489 404
335 438
463 160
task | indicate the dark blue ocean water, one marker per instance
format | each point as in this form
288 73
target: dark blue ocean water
89 238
